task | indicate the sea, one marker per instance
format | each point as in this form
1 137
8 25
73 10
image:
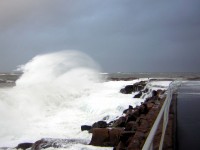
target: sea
53 94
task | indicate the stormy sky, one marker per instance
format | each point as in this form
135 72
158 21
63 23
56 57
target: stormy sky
120 35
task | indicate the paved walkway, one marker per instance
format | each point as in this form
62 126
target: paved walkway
188 116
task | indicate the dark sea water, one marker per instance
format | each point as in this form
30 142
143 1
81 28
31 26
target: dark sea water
80 98
58 93
8 79
178 75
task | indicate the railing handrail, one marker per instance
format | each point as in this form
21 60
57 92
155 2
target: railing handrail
148 145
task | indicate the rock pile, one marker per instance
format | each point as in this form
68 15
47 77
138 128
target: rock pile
139 86
131 129
24 146
49 142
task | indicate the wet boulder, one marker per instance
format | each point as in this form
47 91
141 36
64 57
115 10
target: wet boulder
121 122
40 144
120 146
86 128
154 93
129 108
125 138
144 125
139 86
100 137
138 95
100 124
131 126
114 136
55 143
125 135
137 141
145 90
143 109
127 89
132 115
105 136
133 88
24 146
149 106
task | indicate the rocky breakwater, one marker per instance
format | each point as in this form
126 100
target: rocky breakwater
131 129
48 143
128 131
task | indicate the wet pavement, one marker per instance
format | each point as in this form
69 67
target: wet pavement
188 116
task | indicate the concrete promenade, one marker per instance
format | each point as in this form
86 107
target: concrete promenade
188 116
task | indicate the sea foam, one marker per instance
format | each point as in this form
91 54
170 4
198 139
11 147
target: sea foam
56 94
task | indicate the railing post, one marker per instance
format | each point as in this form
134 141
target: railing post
165 118
164 112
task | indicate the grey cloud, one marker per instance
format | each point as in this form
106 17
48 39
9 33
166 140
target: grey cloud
127 35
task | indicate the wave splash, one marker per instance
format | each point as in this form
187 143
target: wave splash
46 92
58 76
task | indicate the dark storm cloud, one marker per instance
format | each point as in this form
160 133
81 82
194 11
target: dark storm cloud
126 35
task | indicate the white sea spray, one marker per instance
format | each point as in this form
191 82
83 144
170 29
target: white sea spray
57 93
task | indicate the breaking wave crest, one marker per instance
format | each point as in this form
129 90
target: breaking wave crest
56 94
49 83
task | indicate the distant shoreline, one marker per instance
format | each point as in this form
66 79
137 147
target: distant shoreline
13 76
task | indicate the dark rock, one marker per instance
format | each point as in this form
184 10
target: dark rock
138 95
125 139
136 112
148 99
86 127
110 123
40 144
105 137
100 124
149 106
134 145
137 141
133 88
127 90
139 86
145 90
159 91
154 93
55 143
139 135
114 136
143 125
24 146
151 116
129 108
120 122
131 126
106 117
120 146
143 109
100 137
126 135
131 117
155 96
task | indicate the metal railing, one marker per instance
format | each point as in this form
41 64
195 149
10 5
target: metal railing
164 112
